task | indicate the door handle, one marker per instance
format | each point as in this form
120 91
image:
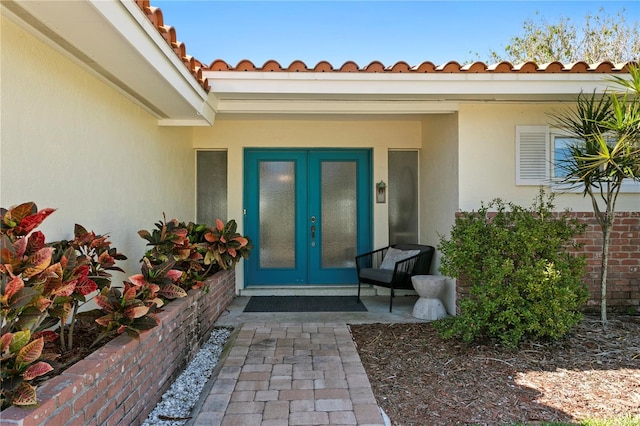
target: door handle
313 231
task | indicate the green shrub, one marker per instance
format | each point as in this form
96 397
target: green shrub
525 281
197 250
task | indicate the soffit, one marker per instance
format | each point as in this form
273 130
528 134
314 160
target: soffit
129 45
393 93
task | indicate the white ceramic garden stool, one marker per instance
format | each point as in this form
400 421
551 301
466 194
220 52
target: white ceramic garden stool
430 288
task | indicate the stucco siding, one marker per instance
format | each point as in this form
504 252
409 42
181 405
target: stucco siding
73 143
439 176
439 187
487 157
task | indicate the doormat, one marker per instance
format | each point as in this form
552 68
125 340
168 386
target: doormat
304 304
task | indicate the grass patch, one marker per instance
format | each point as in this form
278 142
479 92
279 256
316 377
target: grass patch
628 420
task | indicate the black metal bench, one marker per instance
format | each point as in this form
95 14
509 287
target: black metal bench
373 269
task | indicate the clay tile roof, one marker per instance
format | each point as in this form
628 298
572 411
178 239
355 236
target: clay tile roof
180 49
526 67
196 68
154 15
168 32
245 65
475 67
578 67
219 65
552 67
349 66
323 66
271 65
400 67
297 66
375 66
605 66
425 67
501 67
451 66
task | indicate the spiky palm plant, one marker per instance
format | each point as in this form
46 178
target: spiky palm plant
606 153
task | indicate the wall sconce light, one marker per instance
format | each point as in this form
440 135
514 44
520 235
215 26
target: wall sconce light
381 192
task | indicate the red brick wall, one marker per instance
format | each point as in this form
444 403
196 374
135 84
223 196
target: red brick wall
623 273
623 280
120 383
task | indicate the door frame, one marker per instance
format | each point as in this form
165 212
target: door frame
365 217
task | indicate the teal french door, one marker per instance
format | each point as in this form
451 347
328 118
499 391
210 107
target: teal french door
308 213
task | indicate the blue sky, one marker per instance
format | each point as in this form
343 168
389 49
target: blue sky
363 31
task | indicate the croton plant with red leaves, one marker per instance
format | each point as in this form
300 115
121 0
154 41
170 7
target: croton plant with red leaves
86 261
133 309
42 285
45 285
226 246
28 283
198 250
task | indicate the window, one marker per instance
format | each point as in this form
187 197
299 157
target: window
211 186
540 154
403 197
561 155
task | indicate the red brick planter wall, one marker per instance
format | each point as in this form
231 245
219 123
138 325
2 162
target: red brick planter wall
623 274
623 280
120 383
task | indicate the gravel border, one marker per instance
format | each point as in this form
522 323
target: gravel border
177 403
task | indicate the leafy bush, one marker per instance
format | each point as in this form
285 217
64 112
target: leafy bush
226 246
525 281
197 250
42 285
87 260
21 353
177 242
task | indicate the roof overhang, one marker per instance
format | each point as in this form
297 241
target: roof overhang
115 41
238 92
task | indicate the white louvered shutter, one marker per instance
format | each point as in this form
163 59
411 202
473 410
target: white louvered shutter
532 155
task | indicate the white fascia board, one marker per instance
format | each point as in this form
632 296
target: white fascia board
226 84
207 113
300 106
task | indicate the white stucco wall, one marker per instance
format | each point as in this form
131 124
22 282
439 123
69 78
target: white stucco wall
439 187
70 142
487 157
439 176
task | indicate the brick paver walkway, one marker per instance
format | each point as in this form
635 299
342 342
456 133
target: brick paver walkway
291 374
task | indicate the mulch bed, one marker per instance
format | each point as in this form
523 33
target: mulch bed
420 379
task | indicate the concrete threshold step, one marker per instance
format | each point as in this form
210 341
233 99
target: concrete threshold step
296 290
319 290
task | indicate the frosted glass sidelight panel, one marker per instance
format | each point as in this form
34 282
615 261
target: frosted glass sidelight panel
339 214
277 200
403 197
211 186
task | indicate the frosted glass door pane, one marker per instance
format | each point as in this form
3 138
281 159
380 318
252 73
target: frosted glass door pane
339 214
403 197
277 201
